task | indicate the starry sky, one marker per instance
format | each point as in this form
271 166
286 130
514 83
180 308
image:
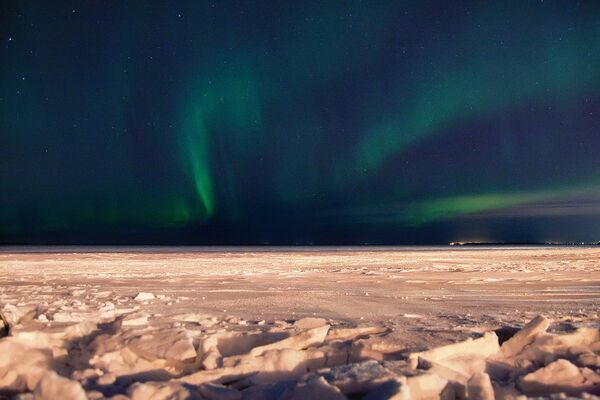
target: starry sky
312 122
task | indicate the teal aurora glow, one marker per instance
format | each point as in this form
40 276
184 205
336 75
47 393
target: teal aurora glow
299 122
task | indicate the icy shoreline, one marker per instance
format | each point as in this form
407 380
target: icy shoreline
284 325
115 353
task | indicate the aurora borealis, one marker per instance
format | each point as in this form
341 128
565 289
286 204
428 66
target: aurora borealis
318 122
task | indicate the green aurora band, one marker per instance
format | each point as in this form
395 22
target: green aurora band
294 123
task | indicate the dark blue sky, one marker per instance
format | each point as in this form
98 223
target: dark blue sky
299 122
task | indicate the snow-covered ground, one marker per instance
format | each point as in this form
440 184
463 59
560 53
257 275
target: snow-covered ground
320 323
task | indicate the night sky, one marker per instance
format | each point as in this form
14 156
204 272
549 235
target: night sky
325 122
